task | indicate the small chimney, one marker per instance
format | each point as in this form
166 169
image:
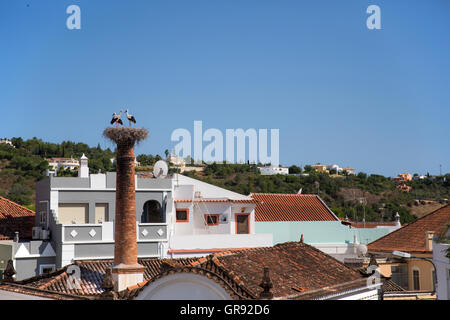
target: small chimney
16 236
8 274
266 284
429 240
301 238
108 287
83 170
397 219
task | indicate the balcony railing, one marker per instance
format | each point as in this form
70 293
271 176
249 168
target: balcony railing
104 232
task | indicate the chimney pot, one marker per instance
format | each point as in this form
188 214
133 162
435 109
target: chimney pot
429 240
266 284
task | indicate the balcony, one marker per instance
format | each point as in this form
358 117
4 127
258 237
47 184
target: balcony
104 232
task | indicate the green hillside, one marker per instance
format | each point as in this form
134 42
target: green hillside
374 197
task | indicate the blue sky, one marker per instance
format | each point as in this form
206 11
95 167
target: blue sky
374 100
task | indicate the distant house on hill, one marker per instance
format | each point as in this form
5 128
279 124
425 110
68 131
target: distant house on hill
63 163
6 141
272 170
402 177
320 168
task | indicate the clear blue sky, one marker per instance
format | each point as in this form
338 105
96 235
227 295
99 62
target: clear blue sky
375 100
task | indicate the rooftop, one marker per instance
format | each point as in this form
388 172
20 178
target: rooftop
291 207
411 238
295 268
14 217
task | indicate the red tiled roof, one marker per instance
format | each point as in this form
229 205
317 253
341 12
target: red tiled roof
294 267
291 207
411 238
14 217
216 200
92 273
366 225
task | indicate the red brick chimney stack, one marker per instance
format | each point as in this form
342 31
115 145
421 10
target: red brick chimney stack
126 271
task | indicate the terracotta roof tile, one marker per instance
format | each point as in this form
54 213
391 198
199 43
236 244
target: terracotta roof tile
293 267
92 274
411 238
291 207
14 217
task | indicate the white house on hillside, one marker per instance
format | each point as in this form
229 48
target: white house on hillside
271 170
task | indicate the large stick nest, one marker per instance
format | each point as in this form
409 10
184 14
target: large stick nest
125 135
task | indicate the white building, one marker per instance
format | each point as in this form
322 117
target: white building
271 170
442 262
334 167
176 216
209 218
6 141
64 163
177 161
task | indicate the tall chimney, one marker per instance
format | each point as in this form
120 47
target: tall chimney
83 169
126 271
429 240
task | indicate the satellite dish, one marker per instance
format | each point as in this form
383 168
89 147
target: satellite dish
160 169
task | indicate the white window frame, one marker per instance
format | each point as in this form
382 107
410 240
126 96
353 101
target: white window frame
42 266
41 222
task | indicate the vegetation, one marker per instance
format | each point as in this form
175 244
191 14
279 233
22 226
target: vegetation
373 197
25 163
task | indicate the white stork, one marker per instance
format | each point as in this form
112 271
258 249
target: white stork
116 118
130 118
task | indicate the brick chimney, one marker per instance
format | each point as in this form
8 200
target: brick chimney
126 271
429 240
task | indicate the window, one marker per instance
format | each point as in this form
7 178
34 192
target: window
182 215
399 275
212 219
153 212
73 212
46 268
43 212
416 280
242 223
101 212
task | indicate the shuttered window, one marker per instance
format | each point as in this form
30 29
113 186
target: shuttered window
73 212
101 212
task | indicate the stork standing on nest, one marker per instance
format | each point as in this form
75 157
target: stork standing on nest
116 118
130 118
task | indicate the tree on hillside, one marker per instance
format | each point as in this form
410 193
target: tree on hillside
20 193
294 169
